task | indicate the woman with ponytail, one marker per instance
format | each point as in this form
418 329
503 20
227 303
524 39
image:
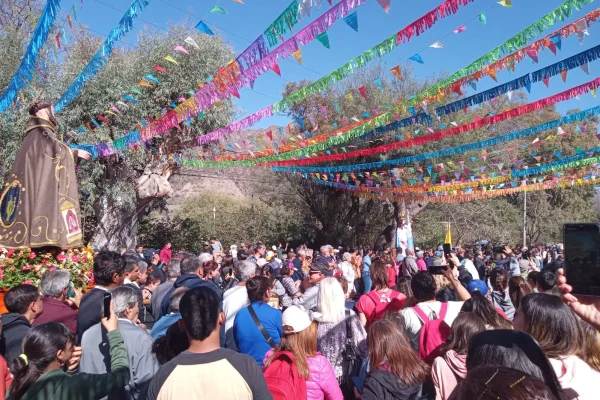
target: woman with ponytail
44 370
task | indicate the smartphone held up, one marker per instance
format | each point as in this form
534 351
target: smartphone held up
582 258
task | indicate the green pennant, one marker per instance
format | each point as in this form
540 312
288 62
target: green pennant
323 38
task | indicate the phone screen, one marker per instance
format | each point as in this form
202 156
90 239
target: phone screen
107 299
582 258
447 249
70 291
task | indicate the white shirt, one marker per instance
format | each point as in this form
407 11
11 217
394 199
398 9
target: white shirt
348 273
234 300
469 266
128 281
414 324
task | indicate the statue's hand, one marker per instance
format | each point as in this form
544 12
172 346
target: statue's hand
86 155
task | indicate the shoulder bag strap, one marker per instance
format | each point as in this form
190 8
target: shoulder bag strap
443 310
260 327
422 316
348 328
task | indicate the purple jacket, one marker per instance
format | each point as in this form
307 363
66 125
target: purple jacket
321 384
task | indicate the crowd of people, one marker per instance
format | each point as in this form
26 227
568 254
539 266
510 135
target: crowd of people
282 323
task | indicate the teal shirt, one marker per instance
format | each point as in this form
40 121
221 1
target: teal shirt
60 385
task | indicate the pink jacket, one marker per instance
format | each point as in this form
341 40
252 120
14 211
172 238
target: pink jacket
444 372
421 264
321 383
576 377
165 255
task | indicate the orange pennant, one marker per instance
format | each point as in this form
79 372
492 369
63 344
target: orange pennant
563 75
396 71
144 83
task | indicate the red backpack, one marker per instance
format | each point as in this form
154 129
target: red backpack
282 377
433 334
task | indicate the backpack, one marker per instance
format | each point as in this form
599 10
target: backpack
433 334
282 377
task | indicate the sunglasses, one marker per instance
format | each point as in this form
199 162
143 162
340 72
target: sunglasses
314 272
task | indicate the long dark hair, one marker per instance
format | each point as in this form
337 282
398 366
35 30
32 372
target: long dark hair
512 349
517 289
257 288
500 382
552 323
170 345
463 328
40 346
389 347
481 307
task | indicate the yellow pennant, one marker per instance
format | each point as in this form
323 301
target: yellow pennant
171 59
505 3
298 55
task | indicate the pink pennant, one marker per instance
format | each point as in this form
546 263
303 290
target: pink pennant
275 68
552 47
181 49
460 29
385 4
363 92
546 80
532 53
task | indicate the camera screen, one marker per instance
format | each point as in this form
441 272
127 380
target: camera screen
582 258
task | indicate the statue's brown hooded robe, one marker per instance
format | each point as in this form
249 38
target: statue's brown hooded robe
39 205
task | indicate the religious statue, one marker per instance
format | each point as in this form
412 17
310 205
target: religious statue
39 205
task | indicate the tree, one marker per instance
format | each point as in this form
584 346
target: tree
114 190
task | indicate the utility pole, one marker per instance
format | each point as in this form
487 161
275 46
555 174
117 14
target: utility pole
524 218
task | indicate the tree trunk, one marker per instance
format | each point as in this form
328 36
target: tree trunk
117 226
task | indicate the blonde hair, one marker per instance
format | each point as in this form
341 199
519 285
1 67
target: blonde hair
331 301
590 348
302 345
357 266
441 282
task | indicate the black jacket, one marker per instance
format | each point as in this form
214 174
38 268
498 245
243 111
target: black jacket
14 328
384 385
188 281
90 311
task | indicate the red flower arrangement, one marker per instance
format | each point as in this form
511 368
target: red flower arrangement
27 266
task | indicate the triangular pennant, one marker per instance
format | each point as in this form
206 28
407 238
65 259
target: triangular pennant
482 18
352 20
460 29
417 58
552 47
546 80
298 55
396 71
192 42
532 53
437 45
181 49
563 75
505 3
323 38
557 40
585 68
363 92
385 4
202 27
377 82
275 68
218 10
171 59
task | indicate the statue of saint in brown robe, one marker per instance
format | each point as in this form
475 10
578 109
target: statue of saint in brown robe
39 205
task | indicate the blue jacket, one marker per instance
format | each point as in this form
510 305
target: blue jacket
187 281
160 327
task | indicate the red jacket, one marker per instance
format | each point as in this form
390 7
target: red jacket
165 255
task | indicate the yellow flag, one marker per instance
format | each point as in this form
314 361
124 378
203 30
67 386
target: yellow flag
298 55
505 3
448 235
171 59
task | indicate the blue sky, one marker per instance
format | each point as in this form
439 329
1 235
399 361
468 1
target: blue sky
245 22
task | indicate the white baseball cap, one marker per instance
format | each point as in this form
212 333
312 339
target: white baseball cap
295 319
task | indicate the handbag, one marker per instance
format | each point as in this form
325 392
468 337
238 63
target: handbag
353 361
261 328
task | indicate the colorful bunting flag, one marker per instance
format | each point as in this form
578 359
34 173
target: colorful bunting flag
396 71
417 58
202 27
218 10
546 80
275 68
532 53
482 18
352 20
323 38
69 21
460 29
363 92
192 42
171 59
437 45
385 4
298 55
585 68
160 69
505 3
563 75
181 49
377 82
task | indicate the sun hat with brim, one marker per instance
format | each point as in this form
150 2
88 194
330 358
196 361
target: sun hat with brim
295 319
